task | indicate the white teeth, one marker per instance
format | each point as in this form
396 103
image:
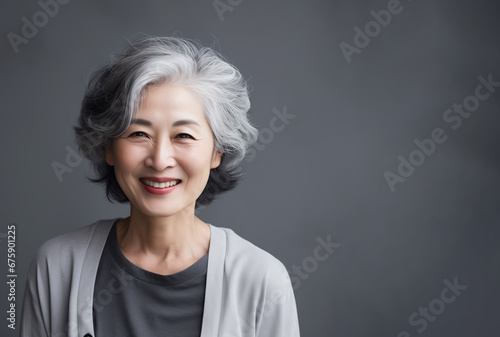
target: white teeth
160 185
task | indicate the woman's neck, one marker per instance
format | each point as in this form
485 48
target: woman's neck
164 245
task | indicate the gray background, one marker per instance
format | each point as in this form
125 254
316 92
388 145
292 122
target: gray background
322 175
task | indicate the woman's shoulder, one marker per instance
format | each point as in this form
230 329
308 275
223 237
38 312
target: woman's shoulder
241 253
242 247
72 243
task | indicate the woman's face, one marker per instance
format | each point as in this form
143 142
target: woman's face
169 142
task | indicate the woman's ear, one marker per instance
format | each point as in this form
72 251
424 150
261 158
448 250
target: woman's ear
216 158
108 148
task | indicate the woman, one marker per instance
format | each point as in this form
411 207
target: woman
165 126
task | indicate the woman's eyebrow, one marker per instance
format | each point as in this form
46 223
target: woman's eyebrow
184 122
145 122
141 121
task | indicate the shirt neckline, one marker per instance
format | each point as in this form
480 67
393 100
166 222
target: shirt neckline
197 269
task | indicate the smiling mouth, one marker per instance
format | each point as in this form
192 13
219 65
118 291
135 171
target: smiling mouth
156 184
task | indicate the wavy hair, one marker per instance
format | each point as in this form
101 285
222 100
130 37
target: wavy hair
114 92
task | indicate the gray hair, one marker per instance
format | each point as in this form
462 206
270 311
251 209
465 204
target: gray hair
114 92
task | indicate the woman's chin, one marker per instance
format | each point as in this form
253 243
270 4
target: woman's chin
160 210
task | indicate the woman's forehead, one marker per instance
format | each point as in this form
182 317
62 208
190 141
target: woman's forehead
170 96
170 101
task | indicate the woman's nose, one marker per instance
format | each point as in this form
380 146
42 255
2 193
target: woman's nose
161 155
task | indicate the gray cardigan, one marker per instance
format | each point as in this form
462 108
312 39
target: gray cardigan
248 291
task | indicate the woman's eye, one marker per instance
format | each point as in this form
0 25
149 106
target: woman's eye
184 136
138 134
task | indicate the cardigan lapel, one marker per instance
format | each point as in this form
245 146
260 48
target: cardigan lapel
214 284
213 287
87 278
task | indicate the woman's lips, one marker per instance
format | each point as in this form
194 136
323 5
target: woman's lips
158 185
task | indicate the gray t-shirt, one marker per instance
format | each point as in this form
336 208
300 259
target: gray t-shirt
130 301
